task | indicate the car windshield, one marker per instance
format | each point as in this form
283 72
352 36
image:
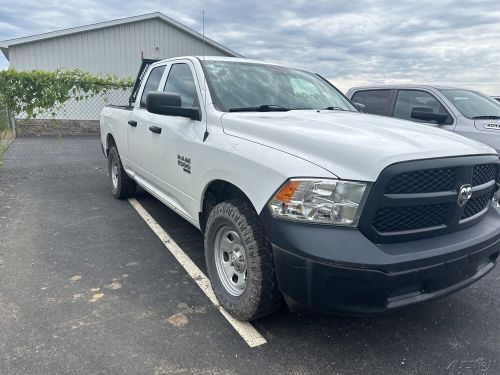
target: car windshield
472 104
240 86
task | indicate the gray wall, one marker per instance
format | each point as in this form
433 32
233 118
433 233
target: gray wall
113 50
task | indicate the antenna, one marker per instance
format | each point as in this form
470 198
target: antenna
205 136
203 31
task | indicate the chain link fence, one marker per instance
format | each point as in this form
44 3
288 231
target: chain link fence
73 118
87 109
5 126
4 116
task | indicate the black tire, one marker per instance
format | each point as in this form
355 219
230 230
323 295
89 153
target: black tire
261 296
125 186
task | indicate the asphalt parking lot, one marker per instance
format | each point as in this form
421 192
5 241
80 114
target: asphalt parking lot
87 288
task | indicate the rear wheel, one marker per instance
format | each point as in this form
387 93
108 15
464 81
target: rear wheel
122 186
240 262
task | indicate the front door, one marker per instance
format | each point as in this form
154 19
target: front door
173 148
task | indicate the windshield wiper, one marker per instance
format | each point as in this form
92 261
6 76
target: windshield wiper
333 108
486 117
261 108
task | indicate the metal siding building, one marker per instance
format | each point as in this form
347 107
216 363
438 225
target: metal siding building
113 47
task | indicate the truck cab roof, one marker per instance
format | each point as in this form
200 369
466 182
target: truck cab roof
401 87
218 58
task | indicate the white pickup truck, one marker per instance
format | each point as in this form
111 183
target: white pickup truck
300 197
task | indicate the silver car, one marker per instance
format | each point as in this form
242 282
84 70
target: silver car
467 112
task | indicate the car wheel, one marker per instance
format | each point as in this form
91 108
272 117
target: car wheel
240 262
122 186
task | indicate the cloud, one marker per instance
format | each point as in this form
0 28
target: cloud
451 42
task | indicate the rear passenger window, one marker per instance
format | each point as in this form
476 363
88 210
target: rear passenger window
152 83
375 101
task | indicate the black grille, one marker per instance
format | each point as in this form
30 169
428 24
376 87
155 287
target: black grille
419 199
396 219
424 181
483 173
476 204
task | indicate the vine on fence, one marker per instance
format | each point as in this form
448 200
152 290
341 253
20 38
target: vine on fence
33 92
4 116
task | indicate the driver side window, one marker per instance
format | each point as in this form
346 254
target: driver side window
180 81
410 99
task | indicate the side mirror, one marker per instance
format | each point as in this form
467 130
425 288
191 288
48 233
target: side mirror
428 114
169 103
360 106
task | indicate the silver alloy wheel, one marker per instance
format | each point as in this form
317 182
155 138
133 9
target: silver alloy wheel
114 174
230 261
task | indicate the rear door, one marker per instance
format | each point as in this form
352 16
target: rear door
376 102
138 134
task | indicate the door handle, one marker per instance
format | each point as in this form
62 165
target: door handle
155 129
132 123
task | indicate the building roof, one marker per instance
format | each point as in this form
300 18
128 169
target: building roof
5 44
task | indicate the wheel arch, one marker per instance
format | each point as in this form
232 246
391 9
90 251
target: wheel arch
110 141
215 192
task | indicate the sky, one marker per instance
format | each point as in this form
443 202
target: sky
363 42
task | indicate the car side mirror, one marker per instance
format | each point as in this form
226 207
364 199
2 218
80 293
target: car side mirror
360 106
169 103
428 114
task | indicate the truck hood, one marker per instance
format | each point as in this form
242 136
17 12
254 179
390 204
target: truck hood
350 145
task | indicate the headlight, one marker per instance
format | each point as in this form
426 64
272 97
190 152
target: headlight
322 201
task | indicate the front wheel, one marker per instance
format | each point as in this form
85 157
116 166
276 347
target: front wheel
239 261
122 186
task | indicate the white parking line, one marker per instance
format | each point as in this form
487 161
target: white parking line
252 337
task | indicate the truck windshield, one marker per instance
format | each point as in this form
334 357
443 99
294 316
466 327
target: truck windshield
472 104
242 87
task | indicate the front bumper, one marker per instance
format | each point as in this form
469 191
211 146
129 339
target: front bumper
338 270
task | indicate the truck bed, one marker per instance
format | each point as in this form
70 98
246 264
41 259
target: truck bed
127 107
114 120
